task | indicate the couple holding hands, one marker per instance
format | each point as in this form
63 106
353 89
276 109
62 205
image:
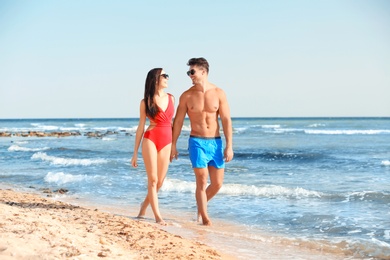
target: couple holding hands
204 103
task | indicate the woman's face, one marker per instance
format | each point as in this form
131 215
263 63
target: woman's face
163 80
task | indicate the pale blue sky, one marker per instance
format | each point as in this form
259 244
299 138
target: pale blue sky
273 58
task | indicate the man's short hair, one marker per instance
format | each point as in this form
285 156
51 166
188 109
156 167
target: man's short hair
200 62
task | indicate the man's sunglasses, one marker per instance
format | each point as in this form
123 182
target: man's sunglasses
191 72
165 76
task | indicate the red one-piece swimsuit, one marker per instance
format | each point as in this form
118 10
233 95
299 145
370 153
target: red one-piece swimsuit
161 133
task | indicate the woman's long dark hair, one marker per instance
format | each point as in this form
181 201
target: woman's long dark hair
150 89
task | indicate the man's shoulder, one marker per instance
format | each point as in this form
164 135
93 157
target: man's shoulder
218 90
189 90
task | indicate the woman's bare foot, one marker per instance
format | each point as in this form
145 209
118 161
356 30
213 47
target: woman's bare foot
142 211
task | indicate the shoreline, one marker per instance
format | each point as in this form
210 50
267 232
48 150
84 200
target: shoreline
49 229
64 227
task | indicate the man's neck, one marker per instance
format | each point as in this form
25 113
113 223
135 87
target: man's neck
202 85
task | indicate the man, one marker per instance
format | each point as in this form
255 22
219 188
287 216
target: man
204 103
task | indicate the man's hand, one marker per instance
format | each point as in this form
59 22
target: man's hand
228 154
174 153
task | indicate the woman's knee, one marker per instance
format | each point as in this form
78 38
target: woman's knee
159 184
153 183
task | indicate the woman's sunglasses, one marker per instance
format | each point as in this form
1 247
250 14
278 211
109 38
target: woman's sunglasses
165 76
191 72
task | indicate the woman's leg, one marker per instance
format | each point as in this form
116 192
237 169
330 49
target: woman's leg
149 154
162 169
163 157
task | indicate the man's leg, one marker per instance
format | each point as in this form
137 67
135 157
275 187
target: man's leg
202 175
216 181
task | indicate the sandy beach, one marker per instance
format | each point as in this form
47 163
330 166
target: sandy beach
34 227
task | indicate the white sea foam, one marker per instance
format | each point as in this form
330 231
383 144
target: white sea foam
17 148
380 243
178 185
66 161
347 132
238 130
385 163
132 129
386 234
270 126
45 127
108 139
186 128
239 189
62 178
267 191
333 132
316 125
21 142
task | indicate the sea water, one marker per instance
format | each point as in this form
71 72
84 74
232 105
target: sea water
318 181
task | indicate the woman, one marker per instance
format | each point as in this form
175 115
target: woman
158 106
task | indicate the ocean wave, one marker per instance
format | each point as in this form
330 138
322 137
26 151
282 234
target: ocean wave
108 139
80 125
17 148
66 161
348 132
331 132
21 142
279 156
178 186
62 178
385 163
243 129
316 125
269 191
270 126
238 130
45 127
374 196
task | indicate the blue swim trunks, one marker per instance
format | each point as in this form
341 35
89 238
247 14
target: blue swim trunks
206 151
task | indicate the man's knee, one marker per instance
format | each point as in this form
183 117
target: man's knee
216 184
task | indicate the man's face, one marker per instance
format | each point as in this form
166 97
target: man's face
195 73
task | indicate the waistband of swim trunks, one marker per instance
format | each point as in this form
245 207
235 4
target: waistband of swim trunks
202 137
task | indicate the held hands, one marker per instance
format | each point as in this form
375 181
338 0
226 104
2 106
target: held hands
174 154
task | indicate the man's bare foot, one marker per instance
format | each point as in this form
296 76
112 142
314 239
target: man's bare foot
161 222
207 222
141 216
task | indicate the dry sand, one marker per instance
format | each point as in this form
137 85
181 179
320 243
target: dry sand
33 227
36 227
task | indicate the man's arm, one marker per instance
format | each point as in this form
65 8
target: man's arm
224 113
178 124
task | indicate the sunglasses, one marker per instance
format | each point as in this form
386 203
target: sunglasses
165 76
191 72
